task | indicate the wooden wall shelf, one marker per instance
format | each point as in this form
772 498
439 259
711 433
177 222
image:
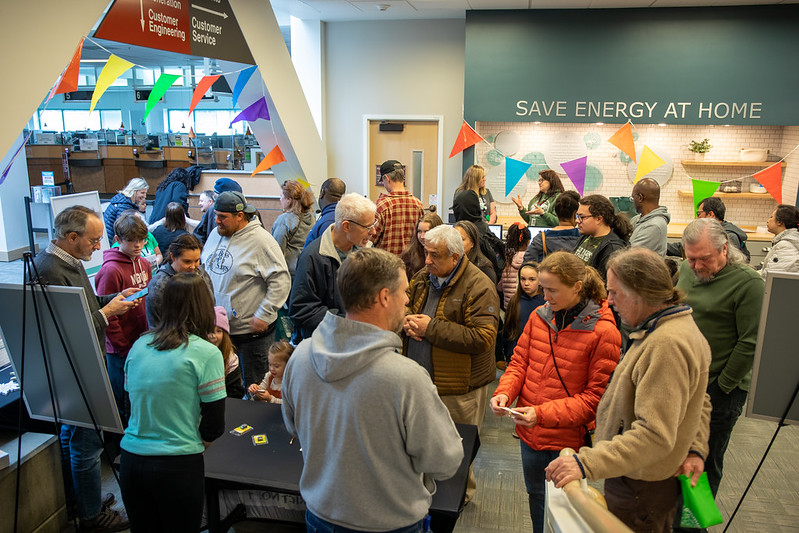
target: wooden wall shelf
752 164
741 195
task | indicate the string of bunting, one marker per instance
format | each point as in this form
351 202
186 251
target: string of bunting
770 177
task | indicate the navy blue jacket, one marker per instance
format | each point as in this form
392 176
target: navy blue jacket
327 217
174 192
119 203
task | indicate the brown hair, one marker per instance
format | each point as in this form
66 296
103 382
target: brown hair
570 269
282 349
184 242
413 254
645 274
226 347
600 206
129 227
364 274
555 185
471 180
186 309
511 328
300 198
175 217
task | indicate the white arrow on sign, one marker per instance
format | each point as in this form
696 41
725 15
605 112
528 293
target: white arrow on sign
217 13
141 9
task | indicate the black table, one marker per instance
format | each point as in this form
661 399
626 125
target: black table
233 462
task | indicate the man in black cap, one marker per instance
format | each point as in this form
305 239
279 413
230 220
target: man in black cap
208 222
397 212
250 277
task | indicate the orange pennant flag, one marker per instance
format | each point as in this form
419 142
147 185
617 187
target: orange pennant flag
191 133
771 179
466 137
623 140
69 79
274 157
201 89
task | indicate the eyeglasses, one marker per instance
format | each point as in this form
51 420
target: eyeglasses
93 242
362 225
580 217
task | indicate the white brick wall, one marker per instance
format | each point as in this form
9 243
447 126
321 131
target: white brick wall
726 142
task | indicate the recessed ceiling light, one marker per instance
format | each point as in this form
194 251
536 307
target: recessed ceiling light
662 124
600 123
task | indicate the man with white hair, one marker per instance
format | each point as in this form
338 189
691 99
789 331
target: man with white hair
314 291
450 328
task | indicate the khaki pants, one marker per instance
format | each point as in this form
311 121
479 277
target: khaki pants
469 408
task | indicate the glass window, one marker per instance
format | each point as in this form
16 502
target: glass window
75 120
122 81
87 77
179 72
111 119
178 121
145 77
51 120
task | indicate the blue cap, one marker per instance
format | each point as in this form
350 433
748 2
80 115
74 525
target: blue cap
226 184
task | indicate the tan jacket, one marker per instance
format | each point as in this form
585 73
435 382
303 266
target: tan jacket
463 331
655 409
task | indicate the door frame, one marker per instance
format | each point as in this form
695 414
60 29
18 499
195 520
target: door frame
439 119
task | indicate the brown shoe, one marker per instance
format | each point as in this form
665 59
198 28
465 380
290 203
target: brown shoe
107 521
502 365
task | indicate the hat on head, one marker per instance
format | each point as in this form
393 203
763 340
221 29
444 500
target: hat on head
221 318
226 184
390 166
233 202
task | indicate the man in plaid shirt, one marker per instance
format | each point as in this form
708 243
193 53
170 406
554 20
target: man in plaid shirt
397 212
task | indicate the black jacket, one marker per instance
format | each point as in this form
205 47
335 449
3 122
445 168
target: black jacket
606 248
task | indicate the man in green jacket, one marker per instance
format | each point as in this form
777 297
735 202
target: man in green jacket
726 295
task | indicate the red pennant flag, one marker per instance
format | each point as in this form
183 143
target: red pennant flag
771 179
69 79
201 89
274 157
466 138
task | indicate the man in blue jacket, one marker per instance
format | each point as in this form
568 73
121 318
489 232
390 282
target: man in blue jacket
330 193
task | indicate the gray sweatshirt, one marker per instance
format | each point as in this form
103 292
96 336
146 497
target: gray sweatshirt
374 432
650 230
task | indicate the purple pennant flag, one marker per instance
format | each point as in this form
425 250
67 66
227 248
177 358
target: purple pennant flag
575 169
253 112
4 175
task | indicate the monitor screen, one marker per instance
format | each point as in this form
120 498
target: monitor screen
535 230
496 229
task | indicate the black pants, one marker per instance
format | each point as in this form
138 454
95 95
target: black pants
162 492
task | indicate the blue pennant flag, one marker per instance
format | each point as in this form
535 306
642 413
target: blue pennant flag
514 170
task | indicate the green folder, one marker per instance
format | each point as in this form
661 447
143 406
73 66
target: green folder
699 508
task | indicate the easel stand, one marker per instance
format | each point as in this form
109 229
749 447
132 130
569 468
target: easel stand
31 280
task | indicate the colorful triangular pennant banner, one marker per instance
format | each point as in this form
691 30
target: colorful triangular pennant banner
162 85
192 135
201 89
623 140
69 79
114 68
649 162
575 169
514 170
466 137
703 189
271 159
253 112
771 178
241 81
304 183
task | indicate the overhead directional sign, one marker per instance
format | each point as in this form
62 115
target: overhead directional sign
205 28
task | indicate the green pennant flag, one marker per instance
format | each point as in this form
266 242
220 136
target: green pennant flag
703 189
161 86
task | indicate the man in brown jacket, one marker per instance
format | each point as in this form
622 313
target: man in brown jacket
451 326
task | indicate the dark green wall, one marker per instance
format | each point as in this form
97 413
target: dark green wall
635 59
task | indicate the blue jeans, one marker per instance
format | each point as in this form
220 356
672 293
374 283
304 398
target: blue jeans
533 463
81 449
314 524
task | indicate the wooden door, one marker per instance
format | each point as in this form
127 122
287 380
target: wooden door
416 147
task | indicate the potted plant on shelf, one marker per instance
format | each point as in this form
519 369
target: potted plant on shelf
700 149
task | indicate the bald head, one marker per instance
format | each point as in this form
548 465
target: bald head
331 191
646 195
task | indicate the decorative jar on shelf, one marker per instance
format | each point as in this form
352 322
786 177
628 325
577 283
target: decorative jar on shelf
699 156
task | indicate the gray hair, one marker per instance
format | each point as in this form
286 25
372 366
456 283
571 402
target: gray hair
73 220
715 233
351 206
643 274
364 274
136 184
447 235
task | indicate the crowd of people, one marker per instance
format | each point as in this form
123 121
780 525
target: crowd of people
312 314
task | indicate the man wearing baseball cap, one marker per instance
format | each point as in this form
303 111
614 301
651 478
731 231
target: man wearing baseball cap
208 222
397 212
250 277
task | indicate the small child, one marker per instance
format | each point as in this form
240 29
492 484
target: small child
527 297
269 390
516 242
221 339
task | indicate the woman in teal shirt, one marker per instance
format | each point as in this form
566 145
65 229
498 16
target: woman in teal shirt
541 209
176 382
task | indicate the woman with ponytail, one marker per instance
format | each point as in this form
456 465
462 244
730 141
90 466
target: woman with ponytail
603 232
653 421
516 242
559 369
784 253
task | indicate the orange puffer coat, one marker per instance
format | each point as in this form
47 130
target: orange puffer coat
586 351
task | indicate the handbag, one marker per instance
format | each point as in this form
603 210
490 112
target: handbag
587 438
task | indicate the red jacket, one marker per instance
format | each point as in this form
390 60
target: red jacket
586 352
120 272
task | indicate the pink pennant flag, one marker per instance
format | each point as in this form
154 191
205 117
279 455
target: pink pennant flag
253 112
771 178
575 169
201 89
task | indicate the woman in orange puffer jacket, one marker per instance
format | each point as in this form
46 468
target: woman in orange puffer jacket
559 369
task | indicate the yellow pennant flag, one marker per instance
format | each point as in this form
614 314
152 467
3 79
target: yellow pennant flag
114 68
649 162
304 183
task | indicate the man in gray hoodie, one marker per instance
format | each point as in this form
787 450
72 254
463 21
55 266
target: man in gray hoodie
650 226
373 431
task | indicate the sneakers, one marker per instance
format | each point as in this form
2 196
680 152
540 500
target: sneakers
109 500
107 521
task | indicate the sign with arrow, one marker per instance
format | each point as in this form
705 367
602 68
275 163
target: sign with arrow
205 28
